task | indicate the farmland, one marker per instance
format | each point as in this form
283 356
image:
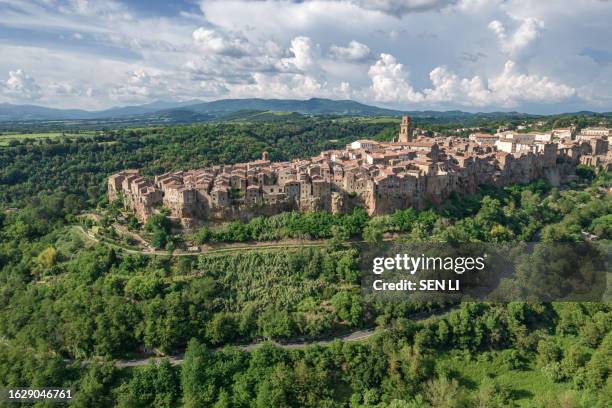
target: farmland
7 137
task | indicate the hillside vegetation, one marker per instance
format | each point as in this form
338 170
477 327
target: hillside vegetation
70 308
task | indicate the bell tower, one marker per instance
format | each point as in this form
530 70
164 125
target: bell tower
265 155
405 134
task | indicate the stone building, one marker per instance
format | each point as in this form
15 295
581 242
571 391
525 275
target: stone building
378 176
594 132
405 134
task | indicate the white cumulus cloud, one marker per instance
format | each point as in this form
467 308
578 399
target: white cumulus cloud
305 54
354 52
449 87
67 89
344 90
389 81
212 89
282 86
527 33
439 54
511 88
141 86
20 86
231 44
508 89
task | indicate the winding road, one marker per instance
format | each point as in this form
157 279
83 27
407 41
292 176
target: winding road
358 335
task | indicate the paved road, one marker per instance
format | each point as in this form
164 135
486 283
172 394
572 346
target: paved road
358 335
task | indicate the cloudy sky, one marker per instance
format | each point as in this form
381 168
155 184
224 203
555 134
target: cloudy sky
477 55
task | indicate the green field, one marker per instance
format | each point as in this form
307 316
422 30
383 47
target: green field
524 385
371 119
6 137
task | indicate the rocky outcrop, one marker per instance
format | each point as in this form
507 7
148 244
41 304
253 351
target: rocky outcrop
377 176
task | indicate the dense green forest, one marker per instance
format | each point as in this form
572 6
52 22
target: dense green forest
71 308
63 301
80 166
494 215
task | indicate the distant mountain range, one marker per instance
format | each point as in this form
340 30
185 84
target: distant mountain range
10 112
194 110
230 110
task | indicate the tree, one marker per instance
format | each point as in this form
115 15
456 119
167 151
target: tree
224 400
166 385
491 394
274 324
548 352
347 267
340 235
602 226
348 307
222 328
373 234
586 172
599 368
197 391
404 219
47 258
151 386
490 211
95 387
159 226
499 233
445 393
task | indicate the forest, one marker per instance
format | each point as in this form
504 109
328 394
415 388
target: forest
493 215
71 309
80 166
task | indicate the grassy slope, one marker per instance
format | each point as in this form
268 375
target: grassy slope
6 138
525 384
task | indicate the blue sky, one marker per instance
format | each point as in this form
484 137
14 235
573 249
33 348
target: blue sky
476 55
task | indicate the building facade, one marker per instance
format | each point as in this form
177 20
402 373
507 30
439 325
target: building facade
378 176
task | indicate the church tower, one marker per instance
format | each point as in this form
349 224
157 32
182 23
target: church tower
405 134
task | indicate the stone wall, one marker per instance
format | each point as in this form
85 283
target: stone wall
413 174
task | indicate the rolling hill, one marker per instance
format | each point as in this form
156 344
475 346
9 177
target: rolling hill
194 110
252 109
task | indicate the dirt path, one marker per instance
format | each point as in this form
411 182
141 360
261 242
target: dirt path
357 335
212 249
135 236
216 249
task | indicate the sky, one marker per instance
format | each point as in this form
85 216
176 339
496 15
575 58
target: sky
544 56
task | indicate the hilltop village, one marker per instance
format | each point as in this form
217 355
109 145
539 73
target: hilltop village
377 176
